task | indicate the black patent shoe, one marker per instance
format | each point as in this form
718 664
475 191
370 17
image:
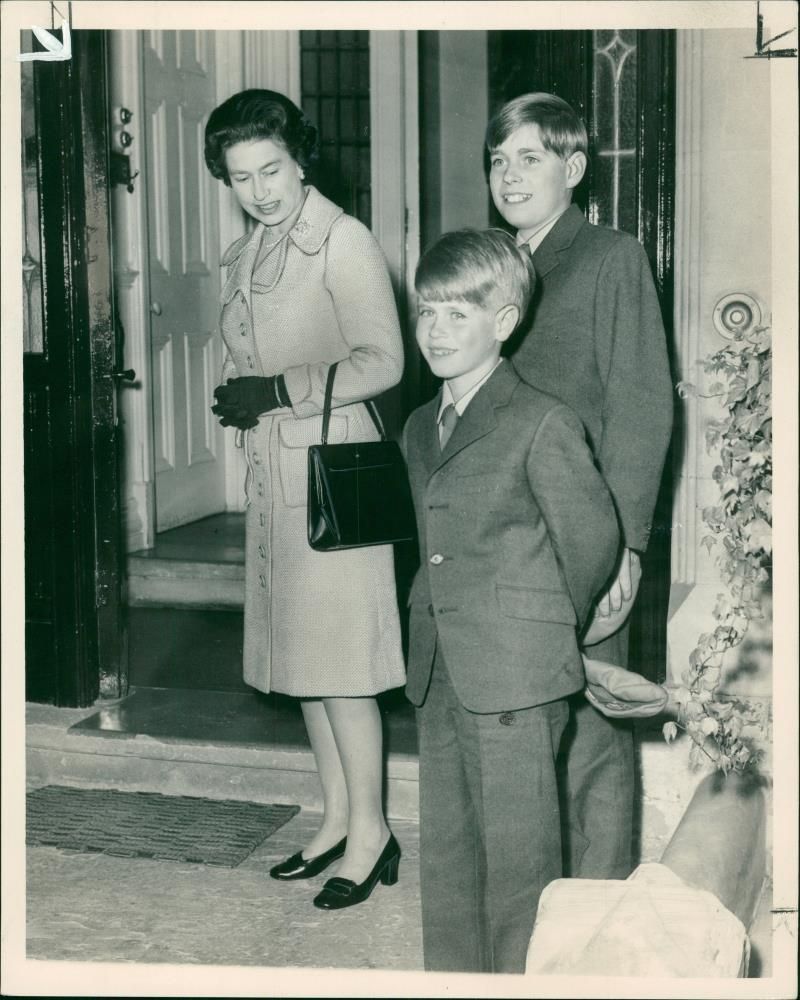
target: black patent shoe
340 892
299 867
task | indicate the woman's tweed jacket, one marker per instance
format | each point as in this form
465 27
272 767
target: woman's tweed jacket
315 624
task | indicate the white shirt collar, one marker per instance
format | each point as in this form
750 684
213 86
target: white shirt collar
463 402
535 241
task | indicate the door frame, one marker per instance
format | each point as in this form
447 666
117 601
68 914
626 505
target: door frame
75 635
394 170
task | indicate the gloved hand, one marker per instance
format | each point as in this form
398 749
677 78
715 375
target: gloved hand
241 400
231 416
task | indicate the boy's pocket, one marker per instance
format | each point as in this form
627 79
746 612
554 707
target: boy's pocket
535 605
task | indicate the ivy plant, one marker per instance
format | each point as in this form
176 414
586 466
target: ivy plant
740 530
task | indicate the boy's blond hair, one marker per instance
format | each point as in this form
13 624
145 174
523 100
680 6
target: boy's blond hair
562 130
484 267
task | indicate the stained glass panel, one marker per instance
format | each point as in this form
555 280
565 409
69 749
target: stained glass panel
614 128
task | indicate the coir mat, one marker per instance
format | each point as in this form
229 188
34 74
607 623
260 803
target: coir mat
150 825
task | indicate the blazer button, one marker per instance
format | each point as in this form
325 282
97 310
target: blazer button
436 559
506 719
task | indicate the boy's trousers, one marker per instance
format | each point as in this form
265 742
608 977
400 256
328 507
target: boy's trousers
490 837
596 766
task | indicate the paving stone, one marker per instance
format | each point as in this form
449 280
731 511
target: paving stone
93 907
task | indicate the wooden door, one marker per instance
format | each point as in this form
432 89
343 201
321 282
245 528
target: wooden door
622 82
179 92
75 648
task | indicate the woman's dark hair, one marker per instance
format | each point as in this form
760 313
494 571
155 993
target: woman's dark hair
258 114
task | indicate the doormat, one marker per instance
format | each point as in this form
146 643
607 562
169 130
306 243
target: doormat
150 825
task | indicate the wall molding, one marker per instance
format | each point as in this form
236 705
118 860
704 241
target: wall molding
132 293
272 60
688 295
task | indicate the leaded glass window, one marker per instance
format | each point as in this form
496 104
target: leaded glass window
334 85
614 129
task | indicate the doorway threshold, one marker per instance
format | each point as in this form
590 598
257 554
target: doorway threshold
219 717
232 750
197 565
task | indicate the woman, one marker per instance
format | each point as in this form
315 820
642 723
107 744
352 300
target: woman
306 288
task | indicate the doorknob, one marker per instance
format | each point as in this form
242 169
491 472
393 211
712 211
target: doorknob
155 308
128 375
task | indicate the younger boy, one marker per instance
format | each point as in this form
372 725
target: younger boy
517 534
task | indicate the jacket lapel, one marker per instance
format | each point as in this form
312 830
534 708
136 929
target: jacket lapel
308 234
239 259
479 418
430 452
560 237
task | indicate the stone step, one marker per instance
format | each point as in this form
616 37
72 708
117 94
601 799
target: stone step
184 583
57 753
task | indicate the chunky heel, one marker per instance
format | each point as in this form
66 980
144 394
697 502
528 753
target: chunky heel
340 892
389 873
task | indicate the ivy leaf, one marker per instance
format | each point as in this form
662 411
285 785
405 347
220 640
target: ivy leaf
708 541
710 678
722 709
759 536
763 500
670 731
709 726
685 389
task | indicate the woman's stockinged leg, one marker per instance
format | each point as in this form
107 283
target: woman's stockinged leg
357 729
331 776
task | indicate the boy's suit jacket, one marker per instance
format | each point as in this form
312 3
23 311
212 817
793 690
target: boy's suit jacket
517 534
597 343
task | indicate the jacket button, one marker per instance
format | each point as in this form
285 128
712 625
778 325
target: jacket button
506 719
431 612
436 559
243 329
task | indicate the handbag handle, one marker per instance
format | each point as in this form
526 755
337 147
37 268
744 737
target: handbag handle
326 409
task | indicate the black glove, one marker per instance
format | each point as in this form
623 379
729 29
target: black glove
233 417
241 400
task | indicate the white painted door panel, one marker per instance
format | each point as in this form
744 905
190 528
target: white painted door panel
179 93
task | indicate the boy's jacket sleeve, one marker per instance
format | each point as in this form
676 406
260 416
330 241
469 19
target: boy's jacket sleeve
576 506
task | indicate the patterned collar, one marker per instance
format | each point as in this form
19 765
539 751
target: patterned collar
308 234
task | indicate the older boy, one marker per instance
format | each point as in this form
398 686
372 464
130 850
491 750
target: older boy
597 343
517 535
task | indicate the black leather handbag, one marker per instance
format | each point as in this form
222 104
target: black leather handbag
358 492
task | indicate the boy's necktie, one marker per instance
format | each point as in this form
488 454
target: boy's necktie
447 424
